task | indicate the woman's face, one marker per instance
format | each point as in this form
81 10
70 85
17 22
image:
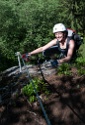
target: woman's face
59 36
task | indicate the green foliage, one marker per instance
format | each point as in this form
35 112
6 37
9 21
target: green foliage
23 25
29 90
81 71
82 48
38 21
80 62
64 69
73 14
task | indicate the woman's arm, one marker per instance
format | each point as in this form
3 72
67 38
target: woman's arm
41 49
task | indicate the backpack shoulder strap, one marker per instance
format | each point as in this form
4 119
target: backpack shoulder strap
68 40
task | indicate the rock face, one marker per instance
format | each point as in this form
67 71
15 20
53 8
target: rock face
14 78
34 70
64 106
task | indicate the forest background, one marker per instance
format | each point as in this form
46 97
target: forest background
27 24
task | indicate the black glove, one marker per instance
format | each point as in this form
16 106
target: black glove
54 63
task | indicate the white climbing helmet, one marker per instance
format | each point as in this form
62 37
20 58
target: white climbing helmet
60 27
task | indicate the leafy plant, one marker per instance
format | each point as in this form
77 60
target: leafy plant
29 89
64 69
81 71
80 62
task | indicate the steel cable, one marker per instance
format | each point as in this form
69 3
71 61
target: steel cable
37 95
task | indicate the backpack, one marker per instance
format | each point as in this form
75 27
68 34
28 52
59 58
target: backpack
76 37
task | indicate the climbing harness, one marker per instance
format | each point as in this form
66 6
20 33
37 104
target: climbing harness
30 79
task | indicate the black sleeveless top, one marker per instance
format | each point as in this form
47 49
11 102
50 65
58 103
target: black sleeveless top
63 52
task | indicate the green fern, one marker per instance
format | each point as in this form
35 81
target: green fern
40 87
80 62
64 69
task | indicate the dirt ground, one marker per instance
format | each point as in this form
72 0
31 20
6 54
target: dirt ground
64 106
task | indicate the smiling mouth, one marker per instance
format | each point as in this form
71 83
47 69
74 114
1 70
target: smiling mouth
59 37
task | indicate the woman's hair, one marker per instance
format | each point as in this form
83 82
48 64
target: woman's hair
66 33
